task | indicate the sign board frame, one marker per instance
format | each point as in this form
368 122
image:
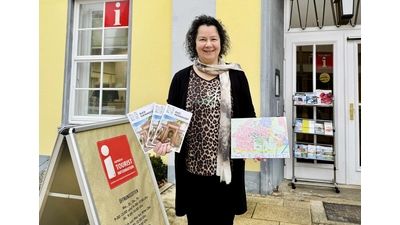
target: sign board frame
77 190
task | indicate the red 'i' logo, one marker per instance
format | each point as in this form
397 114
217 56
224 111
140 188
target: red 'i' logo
116 14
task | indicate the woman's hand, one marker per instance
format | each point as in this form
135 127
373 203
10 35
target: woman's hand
258 159
162 149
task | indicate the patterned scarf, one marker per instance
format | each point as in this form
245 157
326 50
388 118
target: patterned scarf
223 159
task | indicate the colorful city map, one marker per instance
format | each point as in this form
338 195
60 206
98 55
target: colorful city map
265 137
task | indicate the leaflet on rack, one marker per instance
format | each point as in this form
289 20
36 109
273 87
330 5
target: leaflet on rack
172 127
319 128
318 98
328 128
140 122
324 97
300 98
300 150
324 153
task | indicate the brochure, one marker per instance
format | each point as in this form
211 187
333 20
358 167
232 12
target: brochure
319 128
311 153
319 97
298 125
155 120
324 97
311 98
140 122
319 153
308 126
300 151
328 128
324 153
327 153
300 98
303 150
172 127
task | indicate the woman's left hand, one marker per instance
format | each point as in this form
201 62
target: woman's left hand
162 149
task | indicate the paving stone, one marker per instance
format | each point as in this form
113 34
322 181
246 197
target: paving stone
295 215
300 204
240 220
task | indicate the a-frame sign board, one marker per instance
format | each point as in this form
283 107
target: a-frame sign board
98 174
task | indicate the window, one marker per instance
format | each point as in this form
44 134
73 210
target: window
99 61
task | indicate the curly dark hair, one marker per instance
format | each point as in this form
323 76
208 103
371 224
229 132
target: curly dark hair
190 43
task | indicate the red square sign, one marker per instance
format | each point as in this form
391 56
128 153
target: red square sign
116 14
116 158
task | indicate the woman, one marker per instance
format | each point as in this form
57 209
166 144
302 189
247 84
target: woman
210 186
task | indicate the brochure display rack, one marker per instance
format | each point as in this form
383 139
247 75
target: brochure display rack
314 127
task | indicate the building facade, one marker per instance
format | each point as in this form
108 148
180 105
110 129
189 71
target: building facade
102 59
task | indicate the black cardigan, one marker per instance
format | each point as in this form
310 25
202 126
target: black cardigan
242 108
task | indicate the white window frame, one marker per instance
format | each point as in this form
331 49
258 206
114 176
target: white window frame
90 118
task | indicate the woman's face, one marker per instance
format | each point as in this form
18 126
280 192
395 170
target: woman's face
208 44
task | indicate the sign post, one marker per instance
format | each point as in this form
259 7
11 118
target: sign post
98 174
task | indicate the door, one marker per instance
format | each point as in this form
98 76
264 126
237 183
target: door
353 117
321 60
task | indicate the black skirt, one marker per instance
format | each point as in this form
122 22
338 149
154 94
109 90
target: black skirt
209 201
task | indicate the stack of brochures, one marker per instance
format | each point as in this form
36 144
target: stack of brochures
156 123
311 151
313 127
319 97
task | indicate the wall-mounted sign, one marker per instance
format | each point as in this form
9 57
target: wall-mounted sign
324 61
117 14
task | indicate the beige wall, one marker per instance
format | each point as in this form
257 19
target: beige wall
52 34
151 52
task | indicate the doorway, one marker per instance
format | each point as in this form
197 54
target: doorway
326 61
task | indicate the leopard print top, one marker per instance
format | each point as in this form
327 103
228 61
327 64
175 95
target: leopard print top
203 101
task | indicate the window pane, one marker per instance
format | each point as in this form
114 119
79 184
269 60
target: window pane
324 113
90 42
116 41
82 103
87 74
91 15
304 73
120 74
324 67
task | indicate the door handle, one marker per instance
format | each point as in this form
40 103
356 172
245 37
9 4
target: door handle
351 111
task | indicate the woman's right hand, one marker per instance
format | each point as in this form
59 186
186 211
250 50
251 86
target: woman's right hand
162 149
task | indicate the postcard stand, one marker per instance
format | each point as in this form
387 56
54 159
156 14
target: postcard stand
308 126
77 189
